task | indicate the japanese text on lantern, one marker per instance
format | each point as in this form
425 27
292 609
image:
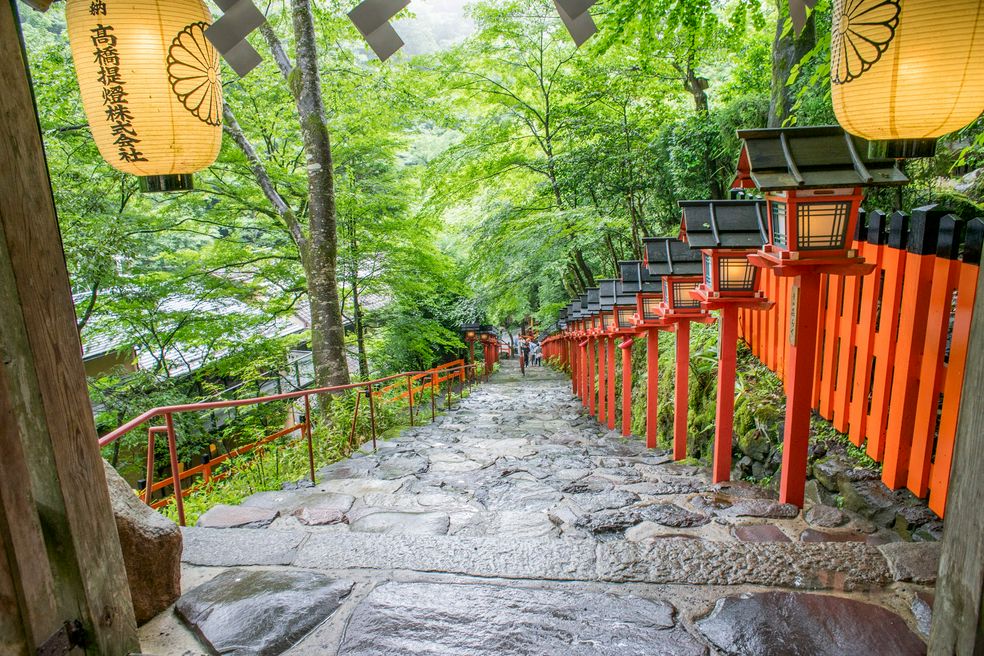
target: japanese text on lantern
114 94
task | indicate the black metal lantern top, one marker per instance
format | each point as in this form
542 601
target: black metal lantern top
786 159
731 224
607 294
668 256
636 279
594 300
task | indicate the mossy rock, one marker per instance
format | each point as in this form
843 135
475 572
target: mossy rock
755 444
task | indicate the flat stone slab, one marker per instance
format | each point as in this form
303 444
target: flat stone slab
427 523
484 620
918 562
511 558
223 516
260 613
846 566
800 624
240 547
760 533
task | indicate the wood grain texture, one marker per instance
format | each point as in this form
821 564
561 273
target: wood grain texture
27 591
958 611
40 349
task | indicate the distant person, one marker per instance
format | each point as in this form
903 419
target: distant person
537 354
524 347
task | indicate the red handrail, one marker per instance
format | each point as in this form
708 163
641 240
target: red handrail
457 370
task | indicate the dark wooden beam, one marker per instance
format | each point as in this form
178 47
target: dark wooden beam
58 532
958 611
40 5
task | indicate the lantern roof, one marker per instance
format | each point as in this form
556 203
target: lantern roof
783 159
668 256
470 327
636 279
724 223
594 300
607 293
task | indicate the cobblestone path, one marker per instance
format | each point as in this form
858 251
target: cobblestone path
516 524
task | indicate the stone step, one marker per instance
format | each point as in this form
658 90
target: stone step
814 566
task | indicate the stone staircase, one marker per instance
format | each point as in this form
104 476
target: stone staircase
516 524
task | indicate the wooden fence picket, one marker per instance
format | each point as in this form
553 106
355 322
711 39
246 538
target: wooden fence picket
891 345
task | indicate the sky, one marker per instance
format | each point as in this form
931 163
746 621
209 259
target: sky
437 25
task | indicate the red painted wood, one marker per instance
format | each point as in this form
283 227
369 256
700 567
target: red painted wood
846 358
932 373
602 379
592 409
905 379
652 385
870 293
727 370
611 383
884 351
799 404
626 348
681 401
967 290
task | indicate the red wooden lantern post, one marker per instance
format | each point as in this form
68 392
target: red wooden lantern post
726 232
681 271
637 282
593 326
624 313
470 332
813 179
607 298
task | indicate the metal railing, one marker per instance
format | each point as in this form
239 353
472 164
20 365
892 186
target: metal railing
457 371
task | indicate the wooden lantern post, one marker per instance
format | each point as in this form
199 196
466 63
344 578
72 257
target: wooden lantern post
646 291
726 232
625 329
813 179
681 271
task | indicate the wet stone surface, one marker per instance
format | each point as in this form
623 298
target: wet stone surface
800 624
260 613
549 534
477 620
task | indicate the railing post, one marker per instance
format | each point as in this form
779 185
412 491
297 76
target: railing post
410 393
372 417
433 397
355 417
151 458
172 445
307 432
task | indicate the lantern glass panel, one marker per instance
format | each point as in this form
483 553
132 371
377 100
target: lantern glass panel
650 309
737 274
682 298
822 226
625 317
607 320
709 271
777 210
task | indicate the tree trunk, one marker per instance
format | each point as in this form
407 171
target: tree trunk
787 51
360 331
327 329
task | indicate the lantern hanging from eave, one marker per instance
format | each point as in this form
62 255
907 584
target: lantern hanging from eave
150 86
906 73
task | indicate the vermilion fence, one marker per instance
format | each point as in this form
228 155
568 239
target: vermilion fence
373 390
892 345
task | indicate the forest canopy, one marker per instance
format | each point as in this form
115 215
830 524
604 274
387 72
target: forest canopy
488 172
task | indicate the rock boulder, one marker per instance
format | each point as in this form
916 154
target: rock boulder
151 550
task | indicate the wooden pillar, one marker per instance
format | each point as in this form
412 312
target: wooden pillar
626 348
59 551
603 380
725 417
591 375
681 391
958 611
652 385
611 383
804 305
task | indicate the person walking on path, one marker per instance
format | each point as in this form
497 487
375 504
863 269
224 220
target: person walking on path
524 346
